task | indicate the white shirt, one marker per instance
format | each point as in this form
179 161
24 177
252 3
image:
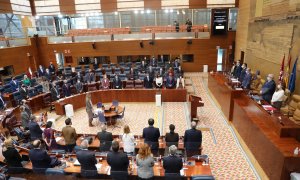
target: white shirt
178 81
278 96
159 81
128 140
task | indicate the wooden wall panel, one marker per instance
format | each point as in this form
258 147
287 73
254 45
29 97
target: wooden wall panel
5 6
67 6
196 4
204 50
108 6
152 4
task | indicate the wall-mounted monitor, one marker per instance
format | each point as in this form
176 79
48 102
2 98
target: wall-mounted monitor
219 21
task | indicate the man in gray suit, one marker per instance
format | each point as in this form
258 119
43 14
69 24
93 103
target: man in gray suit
25 117
89 108
79 86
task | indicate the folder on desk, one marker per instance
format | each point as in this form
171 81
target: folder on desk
76 163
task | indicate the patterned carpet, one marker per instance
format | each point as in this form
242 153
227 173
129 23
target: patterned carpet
227 159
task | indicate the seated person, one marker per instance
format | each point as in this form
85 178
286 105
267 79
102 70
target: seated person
40 159
26 81
118 162
87 160
158 81
66 89
172 163
117 83
180 82
170 81
60 77
148 82
105 84
78 148
105 139
24 92
14 84
79 86
268 88
247 79
12 157
2 102
277 97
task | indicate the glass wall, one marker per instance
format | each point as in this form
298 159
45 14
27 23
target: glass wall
232 19
202 16
11 26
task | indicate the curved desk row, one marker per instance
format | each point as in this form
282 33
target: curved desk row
122 95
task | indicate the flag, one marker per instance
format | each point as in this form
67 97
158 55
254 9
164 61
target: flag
280 78
287 73
292 82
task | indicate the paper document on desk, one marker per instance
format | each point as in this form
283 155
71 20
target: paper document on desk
98 166
108 170
182 171
76 163
268 107
57 139
239 89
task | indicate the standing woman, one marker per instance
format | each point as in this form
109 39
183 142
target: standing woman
128 140
49 136
145 162
89 108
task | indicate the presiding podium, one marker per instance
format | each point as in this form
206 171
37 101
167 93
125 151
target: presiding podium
196 101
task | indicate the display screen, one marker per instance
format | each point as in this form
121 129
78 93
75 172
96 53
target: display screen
220 20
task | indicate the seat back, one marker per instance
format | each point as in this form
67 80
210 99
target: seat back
296 114
54 171
115 103
129 84
101 117
99 104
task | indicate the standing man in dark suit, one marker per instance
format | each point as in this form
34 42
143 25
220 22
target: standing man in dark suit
118 162
243 72
24 92
55 95
41 71
247 79
268 88
170 81
48 75
117 83
172 163
90 77
172 138
151 72
153 62
79 86
66 89
27 108
176 62
238 69
176 24
35 130
148 82
52 69
69 134
14 84
40 159
25 118
87 160
105 139
79 77
192 140
2 102
151 135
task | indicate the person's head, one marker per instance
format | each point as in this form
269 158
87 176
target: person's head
65 82
25 76
238 62
78 80
49 124
36 143
68 121
78 73
244 65
22 108
47 70
104 76
103 127
126 129
84 144
172 149
33 118
172 128
115 146
193 124
248 70
270 77
90 70
280 86
40 66
150 122
170 74
144 151
8 143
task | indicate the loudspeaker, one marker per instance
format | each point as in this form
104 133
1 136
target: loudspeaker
94 45
151 42
189 41
141 44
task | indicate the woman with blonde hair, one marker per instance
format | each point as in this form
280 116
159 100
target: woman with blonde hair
89 108
128 140
145 162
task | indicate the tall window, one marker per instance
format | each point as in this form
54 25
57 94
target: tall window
232 19
46 24
95 22
111 20
11 26
167 17
79 23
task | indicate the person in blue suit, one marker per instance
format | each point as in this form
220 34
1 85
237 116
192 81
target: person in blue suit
170 81
41 71
247 79
238 70
243 72
66 89
151 135
268 88
14 84
192 140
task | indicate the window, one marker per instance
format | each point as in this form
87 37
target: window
11 26
111 20
232 19
202 16
167 17
95 22
46 24
79 23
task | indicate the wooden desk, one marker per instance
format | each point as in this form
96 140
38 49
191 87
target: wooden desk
223 93
262 136
37 102
122 95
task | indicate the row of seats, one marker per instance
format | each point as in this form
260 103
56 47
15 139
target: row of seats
98 31
293 109
182 28
7 87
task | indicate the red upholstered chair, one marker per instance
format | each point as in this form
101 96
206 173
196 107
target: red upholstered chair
129 84
139 83
92 87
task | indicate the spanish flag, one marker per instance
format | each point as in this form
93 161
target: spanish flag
281 74
287 73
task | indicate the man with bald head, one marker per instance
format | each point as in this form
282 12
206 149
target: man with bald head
268 88
87 160
192 140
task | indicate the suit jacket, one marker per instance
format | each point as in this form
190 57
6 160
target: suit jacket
80 78
52 69
12 157
237 71
172 139
86 159
41 73
247 81
176 64
35 130
172 164
24 92
48 76
268 90
69 134
14 84
153 62
117 84
89 77
66 90
25 117
118 161
39 158
105 140
54 94
192 139
148 83
79 87
105 83
27 109
151 135
170 82
242 75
